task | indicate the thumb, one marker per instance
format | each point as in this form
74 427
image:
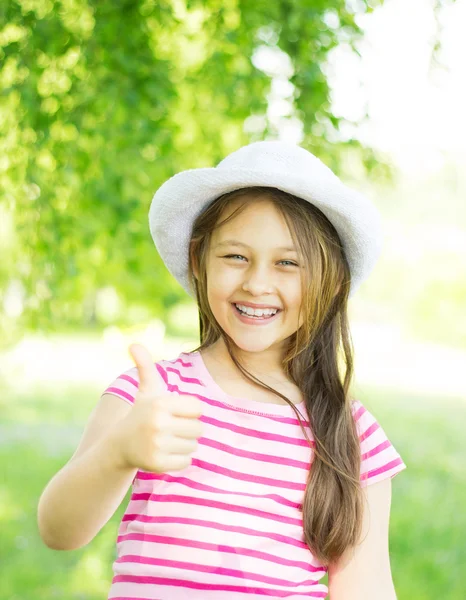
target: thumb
148 377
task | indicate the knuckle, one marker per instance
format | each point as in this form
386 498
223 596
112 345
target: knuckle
160 442
156 426
161 422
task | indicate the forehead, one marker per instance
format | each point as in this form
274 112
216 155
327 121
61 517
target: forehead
258 216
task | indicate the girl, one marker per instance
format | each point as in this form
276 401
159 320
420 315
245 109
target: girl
253 470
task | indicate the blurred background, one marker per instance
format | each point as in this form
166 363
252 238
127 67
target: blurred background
100 103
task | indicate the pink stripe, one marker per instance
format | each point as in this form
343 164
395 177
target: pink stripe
280 483
179 360
369 431
227 506
376 450
253 433
277 418
184 542
115 390
188 566
185 379
217 526
209 488
174 388
147 476
267 458
212 587
130 379
163 374
387 467
357 415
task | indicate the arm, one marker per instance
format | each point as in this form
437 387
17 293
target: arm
86 492
363 573
158 433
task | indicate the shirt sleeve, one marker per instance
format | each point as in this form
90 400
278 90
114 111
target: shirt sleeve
379 458
125 385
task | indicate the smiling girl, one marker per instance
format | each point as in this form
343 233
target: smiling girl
254 471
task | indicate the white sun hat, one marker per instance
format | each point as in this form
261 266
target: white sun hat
283 165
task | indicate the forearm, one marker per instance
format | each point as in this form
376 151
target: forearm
83 496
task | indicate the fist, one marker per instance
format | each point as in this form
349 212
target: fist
160 432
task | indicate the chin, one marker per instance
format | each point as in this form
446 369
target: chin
254 344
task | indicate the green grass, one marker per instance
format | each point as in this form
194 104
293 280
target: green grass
428 520
39 432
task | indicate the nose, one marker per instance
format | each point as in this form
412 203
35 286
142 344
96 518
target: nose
258 281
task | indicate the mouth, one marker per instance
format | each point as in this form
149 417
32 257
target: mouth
254 320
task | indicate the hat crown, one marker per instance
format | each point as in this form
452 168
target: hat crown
276 156
282 165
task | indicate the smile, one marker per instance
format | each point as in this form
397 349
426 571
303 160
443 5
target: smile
254 320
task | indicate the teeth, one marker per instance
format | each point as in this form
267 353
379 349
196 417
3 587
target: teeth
258 312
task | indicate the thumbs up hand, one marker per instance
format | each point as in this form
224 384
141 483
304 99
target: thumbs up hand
160 432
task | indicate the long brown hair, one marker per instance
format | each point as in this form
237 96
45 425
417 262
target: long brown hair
333 499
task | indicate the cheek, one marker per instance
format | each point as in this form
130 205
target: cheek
293 294
221 280
220 286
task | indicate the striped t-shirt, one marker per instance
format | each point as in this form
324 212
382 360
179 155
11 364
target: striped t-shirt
229 526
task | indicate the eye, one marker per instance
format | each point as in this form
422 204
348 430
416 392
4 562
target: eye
293 264
290 263
233 256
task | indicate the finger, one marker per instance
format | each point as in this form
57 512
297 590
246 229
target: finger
184 406
173 462
190 429
148 377
177 445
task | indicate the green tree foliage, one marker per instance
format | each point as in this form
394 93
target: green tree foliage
103 101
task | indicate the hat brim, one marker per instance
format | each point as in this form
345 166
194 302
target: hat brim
179 200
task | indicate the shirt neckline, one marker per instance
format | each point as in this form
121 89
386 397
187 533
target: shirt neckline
244 404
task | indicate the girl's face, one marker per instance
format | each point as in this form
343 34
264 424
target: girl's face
261 268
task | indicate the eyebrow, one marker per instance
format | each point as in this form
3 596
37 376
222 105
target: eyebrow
242 244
